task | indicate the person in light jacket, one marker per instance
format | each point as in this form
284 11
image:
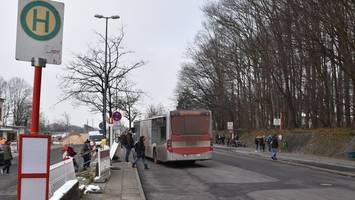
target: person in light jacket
7 157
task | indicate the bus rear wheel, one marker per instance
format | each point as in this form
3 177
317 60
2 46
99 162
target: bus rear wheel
155 157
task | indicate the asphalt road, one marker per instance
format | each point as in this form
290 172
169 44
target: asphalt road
232 176
8 183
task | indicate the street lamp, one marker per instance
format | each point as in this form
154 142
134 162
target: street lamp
105 73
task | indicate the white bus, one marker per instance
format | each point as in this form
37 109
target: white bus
180 135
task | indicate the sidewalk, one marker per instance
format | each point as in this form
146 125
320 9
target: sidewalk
124 184
338 166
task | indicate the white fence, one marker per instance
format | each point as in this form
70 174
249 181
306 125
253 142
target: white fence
59 174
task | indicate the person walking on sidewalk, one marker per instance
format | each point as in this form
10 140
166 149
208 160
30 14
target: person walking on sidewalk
257 143
129 145
7 157
262 143
274 147
140 151
268 141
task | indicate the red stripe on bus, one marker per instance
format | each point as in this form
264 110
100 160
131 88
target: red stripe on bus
191 150
203 137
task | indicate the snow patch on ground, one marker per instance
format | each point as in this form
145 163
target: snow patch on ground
63 190
92 189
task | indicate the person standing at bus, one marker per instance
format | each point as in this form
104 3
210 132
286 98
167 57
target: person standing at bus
140 151
129 145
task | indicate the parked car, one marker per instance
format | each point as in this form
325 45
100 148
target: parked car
96 137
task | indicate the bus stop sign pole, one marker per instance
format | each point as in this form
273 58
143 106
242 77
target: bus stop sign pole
36 99
39 41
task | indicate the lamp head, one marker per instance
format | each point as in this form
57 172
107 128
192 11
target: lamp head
115 17
99 16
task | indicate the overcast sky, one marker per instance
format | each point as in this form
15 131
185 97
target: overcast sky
158 31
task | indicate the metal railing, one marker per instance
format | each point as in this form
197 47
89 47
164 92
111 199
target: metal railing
59 174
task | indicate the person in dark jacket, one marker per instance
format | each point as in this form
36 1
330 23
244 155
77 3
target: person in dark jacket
274 147
86 154
262 143
140 151
7 157
257 143
129 145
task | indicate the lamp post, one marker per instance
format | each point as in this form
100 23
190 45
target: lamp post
105 73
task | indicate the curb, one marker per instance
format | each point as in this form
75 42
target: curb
141 192
291 162
294 162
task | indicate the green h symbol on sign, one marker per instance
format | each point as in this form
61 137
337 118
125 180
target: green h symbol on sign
36 19
51 20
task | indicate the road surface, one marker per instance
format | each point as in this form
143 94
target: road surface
233 176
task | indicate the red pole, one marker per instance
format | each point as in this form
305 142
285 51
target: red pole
36 100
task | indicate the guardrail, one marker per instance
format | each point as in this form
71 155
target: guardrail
59 174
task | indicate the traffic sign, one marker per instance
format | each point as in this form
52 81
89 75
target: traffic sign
230 125
40 31
101 125
117 116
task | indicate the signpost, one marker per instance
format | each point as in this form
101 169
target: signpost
277 121
230 129
230 125
116 116
39 40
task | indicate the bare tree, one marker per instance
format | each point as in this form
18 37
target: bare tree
85 77
155 110
257 60
18 101
66 118
127 103
4 93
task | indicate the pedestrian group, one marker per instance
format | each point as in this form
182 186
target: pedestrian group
127 142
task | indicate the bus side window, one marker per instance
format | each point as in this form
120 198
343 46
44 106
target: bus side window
163 133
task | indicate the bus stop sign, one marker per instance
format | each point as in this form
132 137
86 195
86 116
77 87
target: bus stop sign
40 31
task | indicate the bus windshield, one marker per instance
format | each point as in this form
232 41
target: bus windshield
190 124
